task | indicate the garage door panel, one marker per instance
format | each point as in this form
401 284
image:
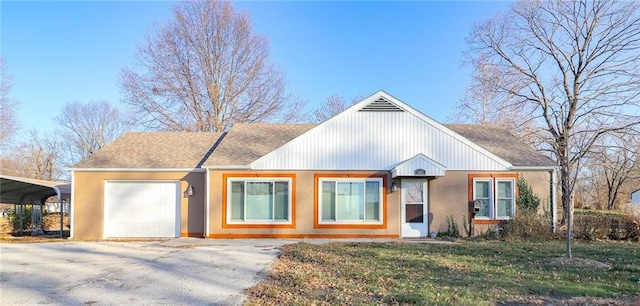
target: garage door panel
141 209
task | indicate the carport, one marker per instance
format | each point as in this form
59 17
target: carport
22 191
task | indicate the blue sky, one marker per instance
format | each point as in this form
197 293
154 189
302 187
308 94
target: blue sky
60 52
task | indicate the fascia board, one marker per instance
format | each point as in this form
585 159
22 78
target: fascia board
548 168
227 167
137 169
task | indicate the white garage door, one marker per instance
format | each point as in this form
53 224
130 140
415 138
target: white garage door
141 209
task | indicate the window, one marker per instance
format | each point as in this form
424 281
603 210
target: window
482 193
496 194
505 199
350 200
258 200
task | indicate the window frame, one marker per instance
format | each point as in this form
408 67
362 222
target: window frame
364 182
491 198
381 179
494 180
228 222
513 198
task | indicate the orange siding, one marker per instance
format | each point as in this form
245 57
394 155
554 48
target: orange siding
88 200
305 210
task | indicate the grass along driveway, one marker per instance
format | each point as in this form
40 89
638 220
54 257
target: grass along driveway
462 273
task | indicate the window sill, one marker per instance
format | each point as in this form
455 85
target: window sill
487 221
258 225
350 225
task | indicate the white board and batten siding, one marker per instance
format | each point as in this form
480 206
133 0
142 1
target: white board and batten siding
408 167
379 140
147 209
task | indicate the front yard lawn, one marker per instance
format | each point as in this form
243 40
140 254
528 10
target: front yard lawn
468 273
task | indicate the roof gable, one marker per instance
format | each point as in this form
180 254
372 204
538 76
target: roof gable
370 136
418 165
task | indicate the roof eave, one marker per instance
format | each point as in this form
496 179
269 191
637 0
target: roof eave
137 169
227 167
534 167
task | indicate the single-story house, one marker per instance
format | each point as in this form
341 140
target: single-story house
379 169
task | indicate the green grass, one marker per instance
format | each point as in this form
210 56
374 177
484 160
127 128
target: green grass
467 273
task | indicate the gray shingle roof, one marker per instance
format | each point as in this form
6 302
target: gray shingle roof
501 142
153 150
247 142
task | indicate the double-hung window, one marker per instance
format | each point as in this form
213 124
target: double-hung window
350 200
259 200
505 198
497 197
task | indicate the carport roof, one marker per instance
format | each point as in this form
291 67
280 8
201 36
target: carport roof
19 190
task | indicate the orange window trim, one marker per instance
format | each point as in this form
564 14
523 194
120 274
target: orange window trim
491 176
316 205
266 175
485 221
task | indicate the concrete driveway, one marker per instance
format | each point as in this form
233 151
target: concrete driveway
180 271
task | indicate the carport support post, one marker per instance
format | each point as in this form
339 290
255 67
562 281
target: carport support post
42 216
61 216
21 216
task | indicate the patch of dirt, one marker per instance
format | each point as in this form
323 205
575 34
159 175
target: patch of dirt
573 301
577 262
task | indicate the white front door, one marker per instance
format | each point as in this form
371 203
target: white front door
415 217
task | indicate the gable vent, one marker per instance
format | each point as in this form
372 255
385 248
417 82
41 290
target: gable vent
381 105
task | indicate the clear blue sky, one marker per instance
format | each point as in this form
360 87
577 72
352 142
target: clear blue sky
73 51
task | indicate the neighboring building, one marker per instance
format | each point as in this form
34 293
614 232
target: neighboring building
378 169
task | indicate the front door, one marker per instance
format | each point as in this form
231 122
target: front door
415 218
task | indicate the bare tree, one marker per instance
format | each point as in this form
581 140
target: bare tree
38 157
615 158
576 64
8 123
204 70
89 126
332 106
485 103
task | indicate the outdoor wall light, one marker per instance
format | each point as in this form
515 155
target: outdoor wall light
394 187
190 190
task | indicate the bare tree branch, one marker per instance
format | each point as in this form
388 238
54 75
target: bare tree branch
38 157
90 126
8 123
204 70
576 64
330 107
